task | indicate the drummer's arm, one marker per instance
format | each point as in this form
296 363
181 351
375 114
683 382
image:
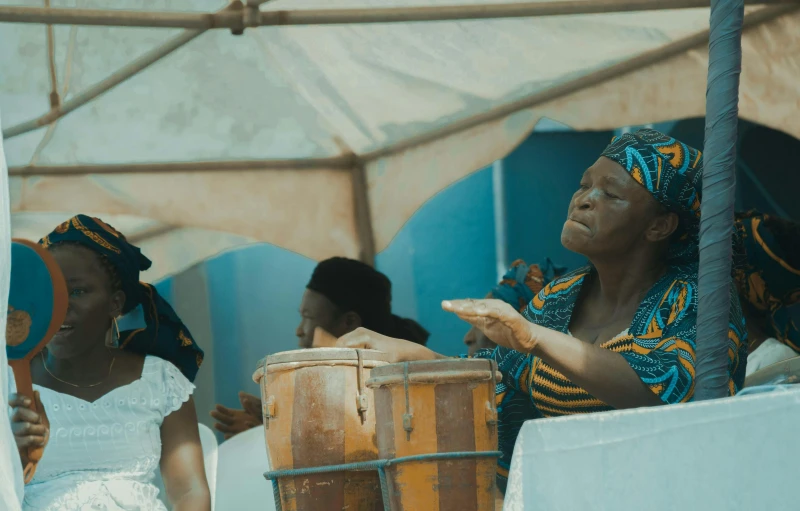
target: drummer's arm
418 352
603 373
399 349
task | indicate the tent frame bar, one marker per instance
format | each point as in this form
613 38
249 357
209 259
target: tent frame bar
238 16
343 163
346 162
362 213
58 111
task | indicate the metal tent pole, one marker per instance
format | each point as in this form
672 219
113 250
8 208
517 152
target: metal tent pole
238 17
340 163
719 184
58 111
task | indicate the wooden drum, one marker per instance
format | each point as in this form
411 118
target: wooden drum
319 412
438 406
784 372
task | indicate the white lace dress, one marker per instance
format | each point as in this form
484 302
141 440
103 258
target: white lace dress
104 455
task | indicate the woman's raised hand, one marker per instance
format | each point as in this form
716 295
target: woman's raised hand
499 321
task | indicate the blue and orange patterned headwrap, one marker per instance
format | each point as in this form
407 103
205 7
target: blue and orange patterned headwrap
672 172
767 280
164 335
522 282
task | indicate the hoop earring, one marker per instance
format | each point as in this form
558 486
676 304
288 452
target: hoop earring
112 336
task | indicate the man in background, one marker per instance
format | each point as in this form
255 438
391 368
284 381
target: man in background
342 295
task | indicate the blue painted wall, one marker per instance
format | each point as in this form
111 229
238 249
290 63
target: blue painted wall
255 294
541 176
445 251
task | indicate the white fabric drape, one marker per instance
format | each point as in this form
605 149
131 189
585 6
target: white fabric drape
11 486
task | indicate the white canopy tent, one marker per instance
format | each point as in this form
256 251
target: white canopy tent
377 119
344 130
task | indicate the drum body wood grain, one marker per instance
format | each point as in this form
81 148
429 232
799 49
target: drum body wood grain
445 406
318 412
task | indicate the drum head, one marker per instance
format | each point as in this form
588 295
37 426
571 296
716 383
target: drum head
450 370
37 300
784 372
325 354
438 366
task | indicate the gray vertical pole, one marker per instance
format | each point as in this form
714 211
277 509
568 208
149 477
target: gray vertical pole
719 183
499 199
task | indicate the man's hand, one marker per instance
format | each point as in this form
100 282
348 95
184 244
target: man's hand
232 422
29 428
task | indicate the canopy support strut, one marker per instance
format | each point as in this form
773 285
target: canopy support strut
238 16
363 215
58 111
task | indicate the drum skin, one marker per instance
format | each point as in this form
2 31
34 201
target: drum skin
450 408
312 419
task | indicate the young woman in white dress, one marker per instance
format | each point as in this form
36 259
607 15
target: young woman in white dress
118 406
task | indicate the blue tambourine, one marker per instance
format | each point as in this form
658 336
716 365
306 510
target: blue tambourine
37 306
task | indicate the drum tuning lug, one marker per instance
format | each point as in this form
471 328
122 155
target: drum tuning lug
408 422
363 405
491 414
269 410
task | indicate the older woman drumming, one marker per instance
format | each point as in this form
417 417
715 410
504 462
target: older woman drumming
619 333
118 406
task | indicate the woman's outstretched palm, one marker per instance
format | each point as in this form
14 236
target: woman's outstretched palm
497 320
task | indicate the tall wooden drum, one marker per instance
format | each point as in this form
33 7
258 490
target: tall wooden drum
318 412
438 406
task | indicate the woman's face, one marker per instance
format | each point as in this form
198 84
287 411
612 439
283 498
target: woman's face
92 303
610 213
316 310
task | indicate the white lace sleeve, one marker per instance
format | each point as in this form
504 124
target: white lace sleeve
177 388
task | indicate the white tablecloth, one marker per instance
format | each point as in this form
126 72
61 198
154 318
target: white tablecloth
734 454
241 464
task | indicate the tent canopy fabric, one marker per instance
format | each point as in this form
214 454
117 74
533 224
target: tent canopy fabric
372 120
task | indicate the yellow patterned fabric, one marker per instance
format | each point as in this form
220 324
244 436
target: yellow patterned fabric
767 280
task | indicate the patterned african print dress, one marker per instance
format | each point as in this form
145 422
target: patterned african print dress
659 346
